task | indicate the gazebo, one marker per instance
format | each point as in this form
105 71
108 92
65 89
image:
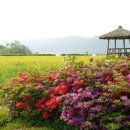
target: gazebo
118 34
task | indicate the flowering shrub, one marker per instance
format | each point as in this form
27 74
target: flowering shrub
93 96
20 105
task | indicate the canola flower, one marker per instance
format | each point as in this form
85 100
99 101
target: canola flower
11 65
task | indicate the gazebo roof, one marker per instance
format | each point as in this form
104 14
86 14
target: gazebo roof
119 33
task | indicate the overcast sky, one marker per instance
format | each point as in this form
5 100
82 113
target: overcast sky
23 19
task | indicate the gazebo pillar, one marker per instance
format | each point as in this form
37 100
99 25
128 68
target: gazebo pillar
115 45
124 45
108 47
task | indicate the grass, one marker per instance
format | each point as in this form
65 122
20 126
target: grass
9 67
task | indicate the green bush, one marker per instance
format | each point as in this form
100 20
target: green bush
93 96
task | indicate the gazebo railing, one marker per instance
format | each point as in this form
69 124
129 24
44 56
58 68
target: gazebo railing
119 50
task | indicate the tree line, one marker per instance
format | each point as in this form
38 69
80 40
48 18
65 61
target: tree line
14 48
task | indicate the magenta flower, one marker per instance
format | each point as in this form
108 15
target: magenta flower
123 98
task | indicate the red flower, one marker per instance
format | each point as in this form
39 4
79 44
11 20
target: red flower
52 103
36 83
45 115
52 95
22 76
107 78
79 83
38 105
15 80
51 77
40 102
61 89
20 105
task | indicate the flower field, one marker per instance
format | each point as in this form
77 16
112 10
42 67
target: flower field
11 65
92 96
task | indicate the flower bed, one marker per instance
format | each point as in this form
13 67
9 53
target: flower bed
94 96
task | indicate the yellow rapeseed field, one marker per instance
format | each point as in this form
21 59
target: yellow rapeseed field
11 65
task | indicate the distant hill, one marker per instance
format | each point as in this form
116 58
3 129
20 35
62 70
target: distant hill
67 45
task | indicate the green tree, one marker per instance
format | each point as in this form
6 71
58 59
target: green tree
16 48
2 49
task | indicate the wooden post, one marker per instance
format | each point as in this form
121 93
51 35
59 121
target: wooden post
108 47
124 45
115 45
